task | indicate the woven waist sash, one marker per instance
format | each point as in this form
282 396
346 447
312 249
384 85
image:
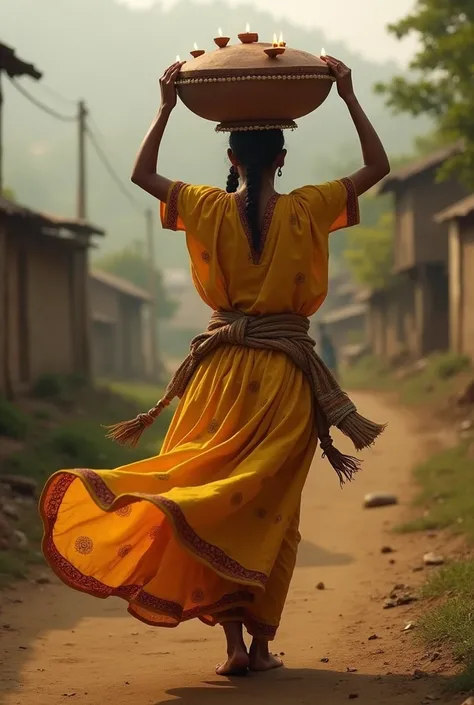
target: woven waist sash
287 333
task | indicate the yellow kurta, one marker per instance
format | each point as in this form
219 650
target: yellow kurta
209 528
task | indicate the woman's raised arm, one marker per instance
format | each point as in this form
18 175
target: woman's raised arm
376 163
144 172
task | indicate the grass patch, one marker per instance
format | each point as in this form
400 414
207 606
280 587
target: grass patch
368 373
445 495
144 395
12 565
13 422
436 381
419 524
78 443
430 381
450 622
447 501
72 436
455 578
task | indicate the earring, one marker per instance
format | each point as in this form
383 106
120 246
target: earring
280 173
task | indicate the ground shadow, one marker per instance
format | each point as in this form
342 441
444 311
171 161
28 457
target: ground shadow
312 556
50 611
57 608
313 687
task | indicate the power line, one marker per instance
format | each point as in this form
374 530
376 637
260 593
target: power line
39 104
55 94
111 171
98 131
93 139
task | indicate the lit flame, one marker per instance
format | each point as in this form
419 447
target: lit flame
275 40
281 41
247 27
178 60
323 52
220 32
196 48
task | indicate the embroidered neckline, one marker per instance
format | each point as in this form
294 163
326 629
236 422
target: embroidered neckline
267 221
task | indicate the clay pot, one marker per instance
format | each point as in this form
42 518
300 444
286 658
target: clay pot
241 84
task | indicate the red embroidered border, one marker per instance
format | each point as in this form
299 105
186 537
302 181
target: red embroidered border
171 219
267 221
213 555
259 629
352 204
135 594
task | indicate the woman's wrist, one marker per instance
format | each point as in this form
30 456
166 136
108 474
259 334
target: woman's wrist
350 99
165 110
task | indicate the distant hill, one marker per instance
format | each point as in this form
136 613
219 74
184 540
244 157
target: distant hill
112 57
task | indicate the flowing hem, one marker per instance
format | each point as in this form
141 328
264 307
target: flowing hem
143 605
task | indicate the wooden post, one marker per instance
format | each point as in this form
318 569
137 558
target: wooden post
6 387
420 310
455 288
81 256
1 133
81 176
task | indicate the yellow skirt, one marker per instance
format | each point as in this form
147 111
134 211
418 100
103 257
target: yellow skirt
208 528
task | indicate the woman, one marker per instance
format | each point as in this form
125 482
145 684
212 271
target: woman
209 528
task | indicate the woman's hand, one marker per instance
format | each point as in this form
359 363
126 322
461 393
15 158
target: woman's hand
168 86
343 76
145 172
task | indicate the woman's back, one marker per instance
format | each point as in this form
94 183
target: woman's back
290 273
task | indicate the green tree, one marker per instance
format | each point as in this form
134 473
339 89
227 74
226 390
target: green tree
369 253
371 209
130 263
444 66
8 193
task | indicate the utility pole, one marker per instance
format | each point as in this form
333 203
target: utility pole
153 327
81 177
81 257
13 67
1 134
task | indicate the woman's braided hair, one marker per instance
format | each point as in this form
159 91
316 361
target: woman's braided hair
255 151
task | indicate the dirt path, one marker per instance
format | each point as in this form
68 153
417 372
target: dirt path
56 643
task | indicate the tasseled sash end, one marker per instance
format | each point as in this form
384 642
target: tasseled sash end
128 433
362 432
345 465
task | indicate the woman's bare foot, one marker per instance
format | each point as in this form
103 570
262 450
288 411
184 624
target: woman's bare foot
260 657
237 663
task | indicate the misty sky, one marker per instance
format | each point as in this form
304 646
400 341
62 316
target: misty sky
360 23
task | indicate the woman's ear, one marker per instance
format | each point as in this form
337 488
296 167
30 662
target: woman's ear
232 158
280 160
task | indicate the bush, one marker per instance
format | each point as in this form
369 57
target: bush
42 414
13 422
48 386
75 446
449 365
85 445
62 389
75 382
